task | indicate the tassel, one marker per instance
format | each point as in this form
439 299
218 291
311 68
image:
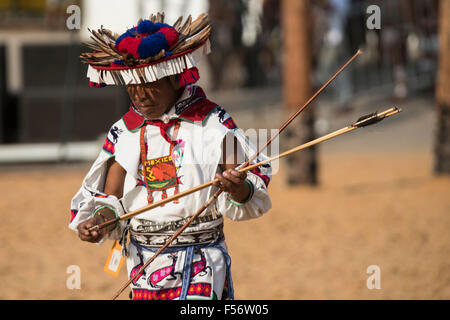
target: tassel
188 76
163 196
150 198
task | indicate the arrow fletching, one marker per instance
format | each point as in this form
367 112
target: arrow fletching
375 117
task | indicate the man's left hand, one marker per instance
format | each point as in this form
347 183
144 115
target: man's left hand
233 182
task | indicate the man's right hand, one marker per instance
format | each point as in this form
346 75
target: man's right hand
91 236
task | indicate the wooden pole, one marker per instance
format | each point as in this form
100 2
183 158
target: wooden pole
297 87
442 139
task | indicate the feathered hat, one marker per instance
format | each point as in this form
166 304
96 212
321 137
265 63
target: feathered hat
148 52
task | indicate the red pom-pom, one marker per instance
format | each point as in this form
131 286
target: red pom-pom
130 45
170 34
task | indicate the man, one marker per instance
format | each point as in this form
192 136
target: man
172 139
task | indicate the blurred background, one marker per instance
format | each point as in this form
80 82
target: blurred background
377 196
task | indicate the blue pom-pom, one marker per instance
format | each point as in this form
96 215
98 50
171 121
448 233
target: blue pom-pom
146 26
119 62
128 33
150 46
161 25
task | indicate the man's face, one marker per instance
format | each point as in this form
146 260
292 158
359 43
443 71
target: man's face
152 99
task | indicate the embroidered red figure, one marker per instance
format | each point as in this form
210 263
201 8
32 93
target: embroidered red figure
160 173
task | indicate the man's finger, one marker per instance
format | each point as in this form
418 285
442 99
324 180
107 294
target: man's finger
217 183
241 175
223 183
84 230
96 239
230 177
85 237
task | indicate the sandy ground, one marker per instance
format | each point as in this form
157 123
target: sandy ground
375 206
316 243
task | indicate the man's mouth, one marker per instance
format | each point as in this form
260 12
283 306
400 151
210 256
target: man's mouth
146 105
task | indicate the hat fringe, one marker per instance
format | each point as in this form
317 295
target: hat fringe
147 73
